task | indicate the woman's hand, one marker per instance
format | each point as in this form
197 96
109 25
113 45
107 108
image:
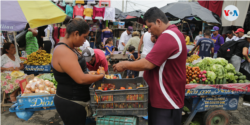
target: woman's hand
17 69
10 69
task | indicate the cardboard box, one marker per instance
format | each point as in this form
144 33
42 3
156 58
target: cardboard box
25 81
121 25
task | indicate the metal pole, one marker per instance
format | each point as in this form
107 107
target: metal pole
122 5
14 34
126 4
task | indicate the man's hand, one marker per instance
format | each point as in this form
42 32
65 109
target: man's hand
119 67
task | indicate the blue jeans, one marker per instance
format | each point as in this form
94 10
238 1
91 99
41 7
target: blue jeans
215 55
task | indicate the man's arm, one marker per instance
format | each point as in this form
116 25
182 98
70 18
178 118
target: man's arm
245 54
139 46
221 40
212 52
139 65
126 47
123 43
193 49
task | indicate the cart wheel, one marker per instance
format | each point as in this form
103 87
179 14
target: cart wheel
216 116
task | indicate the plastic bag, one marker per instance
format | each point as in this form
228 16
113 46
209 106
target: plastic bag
245 69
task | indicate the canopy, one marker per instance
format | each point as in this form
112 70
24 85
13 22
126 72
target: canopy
117 12
15 14
182 10
136 14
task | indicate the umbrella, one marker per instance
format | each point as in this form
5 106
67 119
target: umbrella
182 10
17 13
129 15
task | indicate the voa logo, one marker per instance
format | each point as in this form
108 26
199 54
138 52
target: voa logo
231 12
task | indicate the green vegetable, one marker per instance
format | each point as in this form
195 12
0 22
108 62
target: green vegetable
242 77
206 82
217 81
236 77
186 109
211 76
246 81
230 68
238 73
220 81
46 76
224 81
209 83
241 81
221 61
230 77
218 70
195 123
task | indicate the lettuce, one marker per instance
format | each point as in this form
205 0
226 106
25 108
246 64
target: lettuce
218 70
230 68
230 77
211 76
221 61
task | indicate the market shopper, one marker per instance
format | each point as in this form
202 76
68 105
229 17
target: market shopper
126 35
206 46
95 58
31 41
230 36
134 41
218 40
165 70
147 47
241 50
240 34
187 38
197 38
69 68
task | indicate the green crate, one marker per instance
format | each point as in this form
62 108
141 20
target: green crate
116 120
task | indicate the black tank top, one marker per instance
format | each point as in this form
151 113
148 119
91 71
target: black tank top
67 87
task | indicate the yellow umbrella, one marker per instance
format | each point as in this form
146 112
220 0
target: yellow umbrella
39 13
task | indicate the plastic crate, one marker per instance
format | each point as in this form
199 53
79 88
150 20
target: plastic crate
120 102
33 103
116 120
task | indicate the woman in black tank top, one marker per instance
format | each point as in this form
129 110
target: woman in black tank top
69 68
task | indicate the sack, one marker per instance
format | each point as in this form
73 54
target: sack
227 49
20 38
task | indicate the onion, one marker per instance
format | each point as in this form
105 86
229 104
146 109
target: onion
37 91
51 84
46 92
48 89
28 86
27 91
41 91
47 83
33 88
41 87
52 91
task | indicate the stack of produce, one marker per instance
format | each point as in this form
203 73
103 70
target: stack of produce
192 74
39 57
192 58
40 86
219 71
50 77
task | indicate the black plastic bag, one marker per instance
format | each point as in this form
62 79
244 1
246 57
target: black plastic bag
245 69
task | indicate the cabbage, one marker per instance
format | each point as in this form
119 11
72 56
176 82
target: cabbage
211 76
218 70
230 77
221 61
206 63
230 68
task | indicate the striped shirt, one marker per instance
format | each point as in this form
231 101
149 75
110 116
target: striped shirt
31 43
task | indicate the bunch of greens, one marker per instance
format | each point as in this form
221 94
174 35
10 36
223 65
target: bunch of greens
218 70
230 68
50 77
230 77
221 61
211 76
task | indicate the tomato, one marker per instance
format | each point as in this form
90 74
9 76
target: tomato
105 88
129 87
122 88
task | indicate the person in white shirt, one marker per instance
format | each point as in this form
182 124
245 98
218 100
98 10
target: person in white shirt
198 37
230 36
240 34
85 45
148 44
126 35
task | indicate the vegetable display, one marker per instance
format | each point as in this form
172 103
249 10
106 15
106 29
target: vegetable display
38 85
192 74
219 71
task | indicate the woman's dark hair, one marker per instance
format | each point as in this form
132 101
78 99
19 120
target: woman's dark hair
153 14
108 40
77 24
131 48
6 46
91 32
66 20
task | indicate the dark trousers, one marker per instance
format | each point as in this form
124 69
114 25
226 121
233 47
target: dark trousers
70 112
136 56
158 116
47 46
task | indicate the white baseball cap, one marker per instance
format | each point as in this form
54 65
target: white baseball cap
88 53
